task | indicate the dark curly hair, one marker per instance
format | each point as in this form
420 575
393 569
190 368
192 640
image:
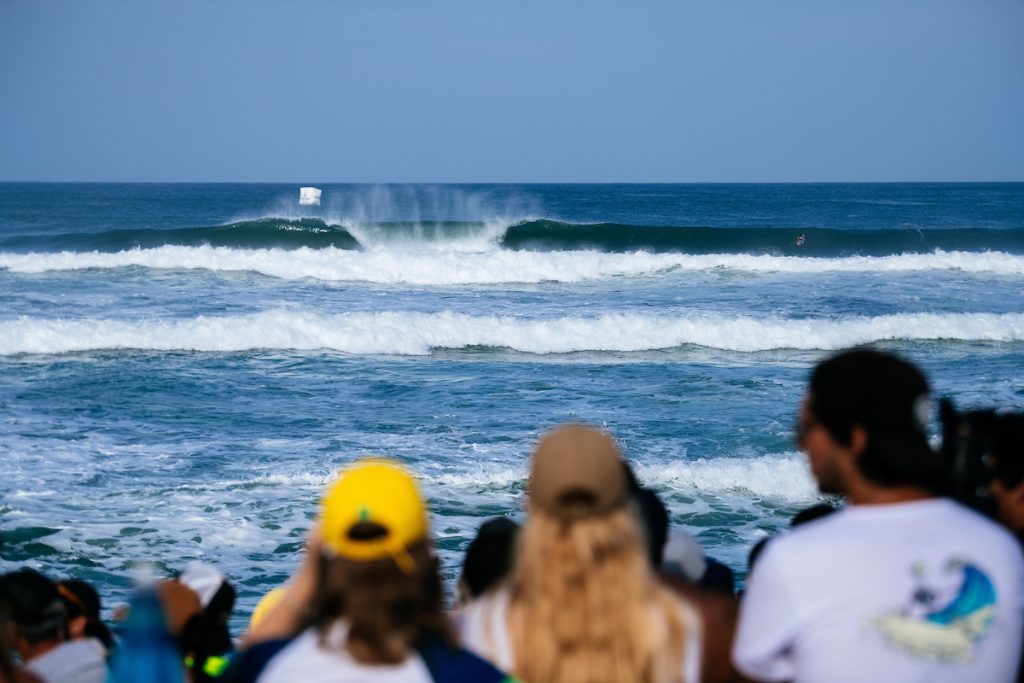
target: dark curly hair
887 397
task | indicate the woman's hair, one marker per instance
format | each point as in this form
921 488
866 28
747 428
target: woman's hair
490 555
586 606
388 611
81 600
35 606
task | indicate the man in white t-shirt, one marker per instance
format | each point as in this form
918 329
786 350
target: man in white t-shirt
903 584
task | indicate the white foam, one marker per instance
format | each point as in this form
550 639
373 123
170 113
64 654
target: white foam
783 477
414 333
480 478
299 480
473 262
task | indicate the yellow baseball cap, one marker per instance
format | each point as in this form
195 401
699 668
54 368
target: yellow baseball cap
372 511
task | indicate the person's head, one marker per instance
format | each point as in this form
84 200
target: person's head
865 415
1006 486
82 607
653 522
718 578
583 591
180 606
205 634
488 558
378 567
6 647
36 612
652 514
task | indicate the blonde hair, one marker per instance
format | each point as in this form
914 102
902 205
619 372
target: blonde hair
585 606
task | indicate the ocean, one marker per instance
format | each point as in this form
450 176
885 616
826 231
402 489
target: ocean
184 367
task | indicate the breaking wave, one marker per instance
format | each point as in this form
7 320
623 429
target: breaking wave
535 234
390 266
415 333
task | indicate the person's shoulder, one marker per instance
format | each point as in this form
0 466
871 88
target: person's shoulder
69 655
77 660
810 536
456 664
967 515
976 526
795 551
491 605
497 597
248 665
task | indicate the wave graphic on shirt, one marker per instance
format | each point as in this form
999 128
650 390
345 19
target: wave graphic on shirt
948 632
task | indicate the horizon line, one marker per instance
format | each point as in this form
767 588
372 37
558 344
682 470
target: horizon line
508 182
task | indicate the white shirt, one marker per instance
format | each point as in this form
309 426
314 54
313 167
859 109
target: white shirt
924 591
73 661
304 661
483 626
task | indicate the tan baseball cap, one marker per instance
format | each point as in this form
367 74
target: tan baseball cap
577 472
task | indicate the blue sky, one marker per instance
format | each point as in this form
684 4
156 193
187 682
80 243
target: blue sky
512 91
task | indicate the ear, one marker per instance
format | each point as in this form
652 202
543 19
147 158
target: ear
858 440
1017 494
462 593
1011 504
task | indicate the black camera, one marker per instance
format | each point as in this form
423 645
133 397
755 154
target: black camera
979 446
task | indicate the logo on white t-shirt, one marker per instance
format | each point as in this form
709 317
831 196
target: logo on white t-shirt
946 616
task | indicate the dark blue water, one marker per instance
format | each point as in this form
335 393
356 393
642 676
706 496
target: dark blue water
183 367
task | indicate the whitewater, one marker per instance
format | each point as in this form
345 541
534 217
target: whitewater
429 265
411 333
183 368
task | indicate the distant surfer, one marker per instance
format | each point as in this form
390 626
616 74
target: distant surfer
800 240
